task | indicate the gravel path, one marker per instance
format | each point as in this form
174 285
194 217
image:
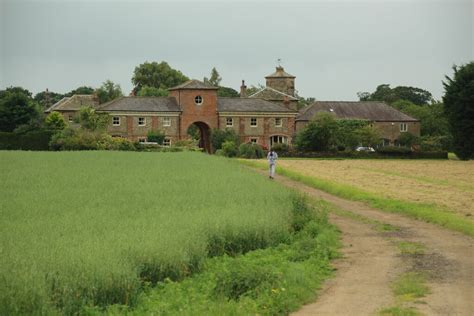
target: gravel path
371 261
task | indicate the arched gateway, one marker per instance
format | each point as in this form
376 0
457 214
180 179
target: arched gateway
204 135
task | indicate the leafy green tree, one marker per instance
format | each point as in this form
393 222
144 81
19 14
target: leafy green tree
368 135
319 135
432 118
346 136
254 89
55 121
218 137
16 108
80 90
157 75
46 99
227 92
386 94
459 108
215 78
147 91
108 91
408 139
15 90
91 120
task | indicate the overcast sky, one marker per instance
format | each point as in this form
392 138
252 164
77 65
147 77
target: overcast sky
334 48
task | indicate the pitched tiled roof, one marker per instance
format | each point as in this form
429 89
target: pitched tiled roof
194 84
249 105
365 110
74 103
141 104
268 93
280 73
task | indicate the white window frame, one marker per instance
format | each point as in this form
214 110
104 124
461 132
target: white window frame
142 139
167 142
403 127
70 118
198 100
280 139
280 120
167 121
254 140
227 120
143 123
114 119
256 122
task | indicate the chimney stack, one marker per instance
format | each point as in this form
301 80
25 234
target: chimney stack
243 90
286 101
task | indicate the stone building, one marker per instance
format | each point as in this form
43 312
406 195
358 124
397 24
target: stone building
196 103
390 122
266 117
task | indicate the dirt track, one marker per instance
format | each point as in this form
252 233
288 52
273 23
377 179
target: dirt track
371 261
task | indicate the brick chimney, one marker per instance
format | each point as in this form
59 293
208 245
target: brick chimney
243 90
286 101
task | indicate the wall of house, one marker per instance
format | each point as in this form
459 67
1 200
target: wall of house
388 130
130 129
285 85
391 130
263 131
192 113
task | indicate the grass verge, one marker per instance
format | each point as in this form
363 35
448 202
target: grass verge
271 281
427 212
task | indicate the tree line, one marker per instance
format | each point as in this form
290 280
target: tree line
444 125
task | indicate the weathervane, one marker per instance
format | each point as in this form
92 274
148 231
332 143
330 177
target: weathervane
279 62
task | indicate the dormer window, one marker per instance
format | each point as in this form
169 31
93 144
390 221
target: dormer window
198 100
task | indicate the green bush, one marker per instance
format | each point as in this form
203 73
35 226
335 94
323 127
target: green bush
280 148
408 139
251 151
32 140
229 149
394 150
436 143
81 139
156 137
219 137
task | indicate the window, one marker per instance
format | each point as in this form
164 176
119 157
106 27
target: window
253 140
167 142
403 127
198 100
142 139
116 121
141 121
229 122
278 122
278 139
253 122
166 121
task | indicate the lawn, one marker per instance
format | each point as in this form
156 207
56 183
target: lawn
91 229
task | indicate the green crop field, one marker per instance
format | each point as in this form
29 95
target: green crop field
91 228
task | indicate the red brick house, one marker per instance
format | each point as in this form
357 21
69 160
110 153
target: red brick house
266 117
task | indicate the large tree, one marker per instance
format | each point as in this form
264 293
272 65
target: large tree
46 99
319 135
215 78
80 90
108 91
459 108
147 91
16 108
386 94
156 75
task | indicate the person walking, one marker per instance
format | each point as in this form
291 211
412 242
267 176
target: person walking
272 157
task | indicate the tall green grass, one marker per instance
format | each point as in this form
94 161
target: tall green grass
427 212
85 229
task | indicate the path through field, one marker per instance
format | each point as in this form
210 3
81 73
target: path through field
372 261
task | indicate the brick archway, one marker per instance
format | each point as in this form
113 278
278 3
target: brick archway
205 135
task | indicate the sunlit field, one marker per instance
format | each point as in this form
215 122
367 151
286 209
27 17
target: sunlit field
88 228
448 184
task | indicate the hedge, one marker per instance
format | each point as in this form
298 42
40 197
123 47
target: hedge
368 155
34 140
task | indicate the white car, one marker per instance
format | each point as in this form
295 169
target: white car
368 149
